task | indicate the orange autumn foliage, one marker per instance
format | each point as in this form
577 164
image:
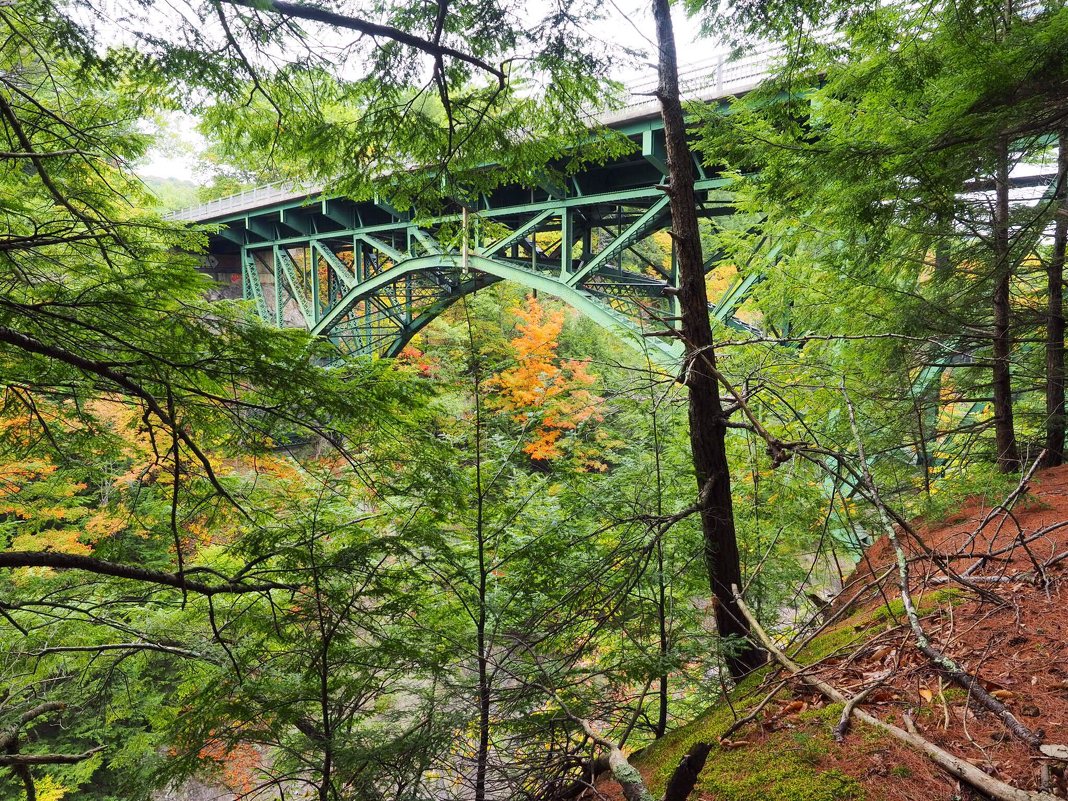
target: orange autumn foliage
49 507
238 764
44 506
549 392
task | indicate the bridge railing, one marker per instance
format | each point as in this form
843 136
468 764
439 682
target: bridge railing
710 79
720 75
254 198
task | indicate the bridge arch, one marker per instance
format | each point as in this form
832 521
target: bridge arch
480 272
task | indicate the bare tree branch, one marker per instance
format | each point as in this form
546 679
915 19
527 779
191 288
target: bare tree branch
47 759
11 154
118 646
301 11
66 561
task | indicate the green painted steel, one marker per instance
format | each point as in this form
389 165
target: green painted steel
288 270
251 287
637 230
663 353
369 276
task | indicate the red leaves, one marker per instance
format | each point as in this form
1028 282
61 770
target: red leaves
238 764
413 357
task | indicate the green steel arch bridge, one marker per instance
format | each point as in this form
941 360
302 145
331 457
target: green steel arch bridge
370 277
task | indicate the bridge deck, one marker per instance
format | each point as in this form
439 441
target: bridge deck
706 81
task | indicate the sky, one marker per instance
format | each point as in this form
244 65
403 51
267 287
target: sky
630 26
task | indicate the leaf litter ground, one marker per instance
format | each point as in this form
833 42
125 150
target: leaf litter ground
1019 649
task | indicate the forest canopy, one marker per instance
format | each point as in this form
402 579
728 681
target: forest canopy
519 554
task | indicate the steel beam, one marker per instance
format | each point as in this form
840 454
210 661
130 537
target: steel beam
637 230
286 268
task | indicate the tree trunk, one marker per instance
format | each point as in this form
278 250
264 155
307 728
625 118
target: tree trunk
1055 317
707 422
665 645
1005 434
484 696
481 616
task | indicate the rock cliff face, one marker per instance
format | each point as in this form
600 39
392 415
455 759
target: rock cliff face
194 790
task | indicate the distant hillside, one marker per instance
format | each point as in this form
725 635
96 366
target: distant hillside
173 193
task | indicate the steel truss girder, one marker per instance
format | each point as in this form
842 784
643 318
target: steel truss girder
403 273
637 230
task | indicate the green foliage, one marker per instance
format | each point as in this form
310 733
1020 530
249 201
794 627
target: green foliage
172 193
308 126
139 428
978 484
850 165
363 581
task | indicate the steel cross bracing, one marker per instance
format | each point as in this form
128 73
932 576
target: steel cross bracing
372 284
370 277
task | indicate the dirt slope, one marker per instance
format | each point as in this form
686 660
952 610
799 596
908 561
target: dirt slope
1018 648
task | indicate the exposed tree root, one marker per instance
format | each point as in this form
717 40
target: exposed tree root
684 777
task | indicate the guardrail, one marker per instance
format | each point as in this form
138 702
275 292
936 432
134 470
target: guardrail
718 73
710 79
254 198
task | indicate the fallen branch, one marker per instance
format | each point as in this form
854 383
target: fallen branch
682 780
592 768
1027 575
994 788
843 610
923 642
842 729
1004 554
753 713
627 775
